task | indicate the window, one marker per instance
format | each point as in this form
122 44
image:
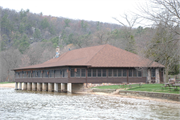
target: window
29 74
72 73
33 74
38 74
130 72
99 72
83 72
78 72
24 74
110 72
115 72
104 72
94 72
20 74
46 73
153 73
134 73
124 73
139 73
17 74
65 73
89 72
57 73
119 72
51 73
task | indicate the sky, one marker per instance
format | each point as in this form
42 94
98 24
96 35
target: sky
95 10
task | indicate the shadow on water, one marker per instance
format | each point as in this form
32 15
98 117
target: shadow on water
49 105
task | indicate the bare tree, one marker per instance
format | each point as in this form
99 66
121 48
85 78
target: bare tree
10 59
165 16
128 32
103 36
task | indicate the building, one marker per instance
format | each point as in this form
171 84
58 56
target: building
97 64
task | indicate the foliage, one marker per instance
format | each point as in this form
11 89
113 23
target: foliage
37 33
44 23
67 21
55 41
175 70
22 44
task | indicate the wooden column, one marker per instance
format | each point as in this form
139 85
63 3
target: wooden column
86 76
149 75
127 76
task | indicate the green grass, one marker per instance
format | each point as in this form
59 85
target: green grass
5 82
144 87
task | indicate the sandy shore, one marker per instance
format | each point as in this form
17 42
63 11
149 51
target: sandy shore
9 85
137 97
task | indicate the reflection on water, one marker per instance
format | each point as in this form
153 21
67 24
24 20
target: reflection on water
44 105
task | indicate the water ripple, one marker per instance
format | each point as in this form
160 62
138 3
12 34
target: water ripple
61 106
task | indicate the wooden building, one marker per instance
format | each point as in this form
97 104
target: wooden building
97 64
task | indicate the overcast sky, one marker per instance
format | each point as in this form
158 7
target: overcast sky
95 10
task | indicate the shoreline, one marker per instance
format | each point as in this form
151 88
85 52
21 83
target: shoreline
136 97
12 85
8 85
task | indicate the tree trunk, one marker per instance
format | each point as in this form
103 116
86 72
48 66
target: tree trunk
8 75
166 73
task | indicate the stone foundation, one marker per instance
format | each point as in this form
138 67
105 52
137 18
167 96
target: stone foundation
29 86
63 87
44 87
50 87
24 86
77 87
34 86
39 86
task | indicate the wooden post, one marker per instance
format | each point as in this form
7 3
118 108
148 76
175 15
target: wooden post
86 77
127 76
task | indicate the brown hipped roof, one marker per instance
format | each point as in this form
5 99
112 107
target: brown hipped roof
97 56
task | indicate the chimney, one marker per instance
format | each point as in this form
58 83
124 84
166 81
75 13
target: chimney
57 52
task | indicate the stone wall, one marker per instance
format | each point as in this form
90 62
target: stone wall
175 97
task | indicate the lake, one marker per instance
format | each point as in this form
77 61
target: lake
62 106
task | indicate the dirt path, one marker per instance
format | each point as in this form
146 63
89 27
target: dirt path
9 85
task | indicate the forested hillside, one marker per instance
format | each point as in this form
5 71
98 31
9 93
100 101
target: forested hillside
27 38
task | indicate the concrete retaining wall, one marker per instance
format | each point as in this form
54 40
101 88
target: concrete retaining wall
175 97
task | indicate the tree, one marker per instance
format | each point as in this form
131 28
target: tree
67 21
22 44
165 15
10 59
44 23
37 34
128 32
163 49
103 36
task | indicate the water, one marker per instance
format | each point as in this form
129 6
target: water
43 105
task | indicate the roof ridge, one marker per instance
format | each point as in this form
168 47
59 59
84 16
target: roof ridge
96 53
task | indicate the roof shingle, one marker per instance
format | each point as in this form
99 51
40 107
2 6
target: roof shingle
97 56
